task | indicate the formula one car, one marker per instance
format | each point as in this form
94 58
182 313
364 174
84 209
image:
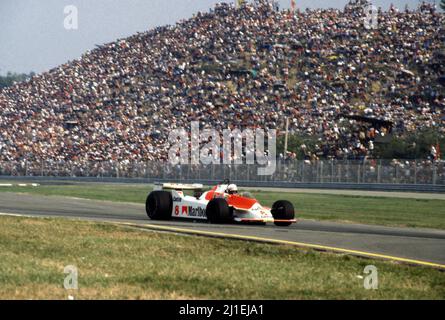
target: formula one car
221 204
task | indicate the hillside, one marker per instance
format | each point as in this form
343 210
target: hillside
243 67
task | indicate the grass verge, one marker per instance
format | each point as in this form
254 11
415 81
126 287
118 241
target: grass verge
122 263
420 213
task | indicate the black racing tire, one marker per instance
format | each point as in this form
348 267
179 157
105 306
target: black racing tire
283 210
218 211
159 205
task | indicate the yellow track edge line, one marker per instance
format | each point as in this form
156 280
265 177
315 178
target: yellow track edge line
286 242
256 239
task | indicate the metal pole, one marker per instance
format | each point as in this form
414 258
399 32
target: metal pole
379 177
286 137
434 174
364 173
302 171
358 173
415 171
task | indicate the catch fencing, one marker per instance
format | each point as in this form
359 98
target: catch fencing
400 172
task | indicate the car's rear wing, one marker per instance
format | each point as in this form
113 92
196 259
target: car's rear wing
177 186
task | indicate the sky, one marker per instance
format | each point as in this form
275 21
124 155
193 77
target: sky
33 36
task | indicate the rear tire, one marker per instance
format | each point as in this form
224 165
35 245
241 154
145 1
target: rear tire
218 211
159 205
283 210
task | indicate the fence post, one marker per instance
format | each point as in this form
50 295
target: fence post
415 171
378 172
339 179
434 174
302 171
364 173
318 177
358 173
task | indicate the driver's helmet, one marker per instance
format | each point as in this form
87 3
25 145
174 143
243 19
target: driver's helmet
232 189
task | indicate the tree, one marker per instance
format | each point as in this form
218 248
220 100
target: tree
411 146
11 78
442 4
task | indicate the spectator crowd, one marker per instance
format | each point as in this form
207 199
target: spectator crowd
252 66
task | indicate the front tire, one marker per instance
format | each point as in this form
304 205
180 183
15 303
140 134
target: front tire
218 211
159 205
283 210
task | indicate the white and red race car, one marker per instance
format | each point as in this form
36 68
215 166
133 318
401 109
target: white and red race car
221 204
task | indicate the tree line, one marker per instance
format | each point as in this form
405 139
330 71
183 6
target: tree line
11 78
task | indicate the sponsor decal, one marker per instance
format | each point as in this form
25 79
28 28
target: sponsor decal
196 212
190 211
264 214
177 199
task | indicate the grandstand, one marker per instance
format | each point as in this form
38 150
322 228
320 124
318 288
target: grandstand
242 67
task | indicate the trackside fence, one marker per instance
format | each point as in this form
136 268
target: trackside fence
287 172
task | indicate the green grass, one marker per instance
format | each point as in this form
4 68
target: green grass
122 263
401 212
359 209
96 191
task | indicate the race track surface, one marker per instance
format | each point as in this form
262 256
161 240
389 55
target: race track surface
421 245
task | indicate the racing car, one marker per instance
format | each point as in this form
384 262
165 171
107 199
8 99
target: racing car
222 204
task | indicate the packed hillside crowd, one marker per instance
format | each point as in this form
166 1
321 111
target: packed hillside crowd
246 67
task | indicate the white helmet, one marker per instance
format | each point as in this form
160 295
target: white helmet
232 188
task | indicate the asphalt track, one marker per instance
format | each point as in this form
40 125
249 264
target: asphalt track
415 246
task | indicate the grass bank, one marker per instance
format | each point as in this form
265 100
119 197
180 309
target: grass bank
121 263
